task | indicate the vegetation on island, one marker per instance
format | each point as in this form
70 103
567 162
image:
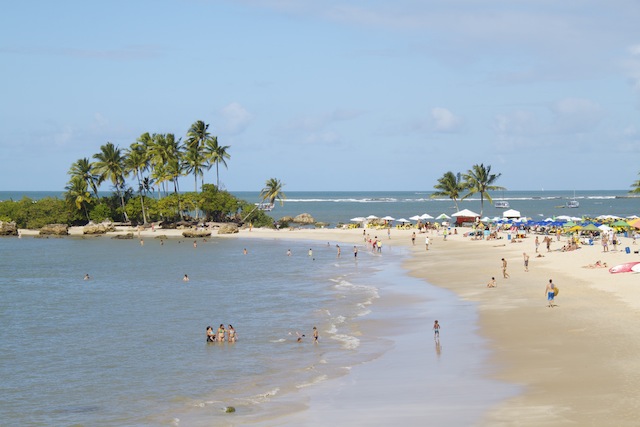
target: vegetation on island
144 179
477 180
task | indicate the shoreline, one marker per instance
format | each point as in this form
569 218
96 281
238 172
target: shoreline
576 362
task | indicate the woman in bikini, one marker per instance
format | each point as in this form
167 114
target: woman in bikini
232 334
220 334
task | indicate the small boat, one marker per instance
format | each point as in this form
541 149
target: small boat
267 207
502 204
573 204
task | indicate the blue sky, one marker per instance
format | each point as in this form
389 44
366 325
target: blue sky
331 95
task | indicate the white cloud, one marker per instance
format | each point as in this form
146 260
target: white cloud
236 118
444 120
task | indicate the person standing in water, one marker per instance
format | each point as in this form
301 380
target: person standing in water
436 330
220 333
232 334
315 335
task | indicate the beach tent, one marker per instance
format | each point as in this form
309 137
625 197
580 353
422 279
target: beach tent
465 215
511 213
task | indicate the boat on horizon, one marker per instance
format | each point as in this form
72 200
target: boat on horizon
573 203
501 204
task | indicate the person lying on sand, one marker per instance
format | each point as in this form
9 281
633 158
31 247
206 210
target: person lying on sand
598 264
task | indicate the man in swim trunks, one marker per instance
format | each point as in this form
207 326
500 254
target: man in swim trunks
551 292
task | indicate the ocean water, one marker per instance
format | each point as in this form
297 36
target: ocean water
335 207
128 346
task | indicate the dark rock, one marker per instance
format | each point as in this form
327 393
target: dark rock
123 236
196 233
55 230
228 228
8 229
304 218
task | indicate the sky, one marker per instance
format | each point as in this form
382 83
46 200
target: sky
333 95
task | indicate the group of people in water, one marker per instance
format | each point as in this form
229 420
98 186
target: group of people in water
222 334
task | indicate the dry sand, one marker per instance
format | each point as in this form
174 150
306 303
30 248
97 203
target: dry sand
577 363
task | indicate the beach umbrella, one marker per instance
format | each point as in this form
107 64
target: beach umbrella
372 217
415 218
358 219
466 213
635 223
388 218
443 216
620 223
590 227
425 216
403 221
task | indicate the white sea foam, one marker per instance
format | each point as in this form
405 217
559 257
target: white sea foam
332 329
348 342
316 380
279 340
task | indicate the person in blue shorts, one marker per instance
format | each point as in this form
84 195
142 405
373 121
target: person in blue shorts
551 292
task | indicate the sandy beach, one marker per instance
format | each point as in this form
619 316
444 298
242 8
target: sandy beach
576 363
573 364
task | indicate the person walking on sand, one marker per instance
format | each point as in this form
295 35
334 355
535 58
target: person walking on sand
426 242
537 243
436 330
550 291
492 283
504 269
526 261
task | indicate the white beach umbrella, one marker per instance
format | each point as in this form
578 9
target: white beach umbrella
388 218
633 217
358 219
404 221
485 219
372 217
415 218
425 216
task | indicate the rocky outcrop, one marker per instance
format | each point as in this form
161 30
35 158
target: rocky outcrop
196 233
8 229
286 219
228 228
123 236
304 218
55 230
98 228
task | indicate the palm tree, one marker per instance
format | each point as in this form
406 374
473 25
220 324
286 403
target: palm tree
197 134
479 179
110 166
635 187
449 185
216 154
194 163
83 168
137 161
272 191
77 194
198 137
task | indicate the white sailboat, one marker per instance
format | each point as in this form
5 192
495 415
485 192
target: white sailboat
573 203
